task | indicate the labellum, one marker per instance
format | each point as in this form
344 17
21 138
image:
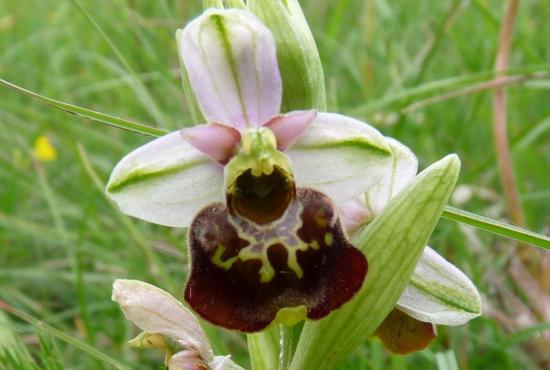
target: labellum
270 246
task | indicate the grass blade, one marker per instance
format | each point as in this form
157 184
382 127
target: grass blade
87 113
497 227
141 90
65 337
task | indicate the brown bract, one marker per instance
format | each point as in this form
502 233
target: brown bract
244 272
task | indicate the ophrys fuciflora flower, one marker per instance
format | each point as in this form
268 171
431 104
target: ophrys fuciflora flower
255 187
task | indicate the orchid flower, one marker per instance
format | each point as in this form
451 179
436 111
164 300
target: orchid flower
168 326
438 293
256 188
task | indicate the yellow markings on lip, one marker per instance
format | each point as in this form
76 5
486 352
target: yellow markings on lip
329 239
314 245
217 258
257 249
293 264
266 271
320 218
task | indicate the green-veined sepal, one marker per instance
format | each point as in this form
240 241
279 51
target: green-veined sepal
440 293
166 181
340 156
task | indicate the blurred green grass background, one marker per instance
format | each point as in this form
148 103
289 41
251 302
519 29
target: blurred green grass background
62 243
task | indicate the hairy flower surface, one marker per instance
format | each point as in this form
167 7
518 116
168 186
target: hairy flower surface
256 188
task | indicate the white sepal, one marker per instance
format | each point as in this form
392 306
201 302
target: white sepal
440 293
340 156
402 171
166 181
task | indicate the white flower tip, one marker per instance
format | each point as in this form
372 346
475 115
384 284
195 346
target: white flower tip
122 289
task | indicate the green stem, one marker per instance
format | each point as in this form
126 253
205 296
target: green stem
263 348
497 227
289 336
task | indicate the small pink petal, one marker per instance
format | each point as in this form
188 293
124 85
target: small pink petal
353 214
290 127
215 140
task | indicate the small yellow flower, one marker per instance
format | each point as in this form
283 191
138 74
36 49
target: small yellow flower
44 150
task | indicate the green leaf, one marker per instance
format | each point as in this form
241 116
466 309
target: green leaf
274 347
393 243
290 335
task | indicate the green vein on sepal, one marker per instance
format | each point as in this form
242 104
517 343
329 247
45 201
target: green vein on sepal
357 143
143 174
452 298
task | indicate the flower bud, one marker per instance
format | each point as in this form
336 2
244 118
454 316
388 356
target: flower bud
297 55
